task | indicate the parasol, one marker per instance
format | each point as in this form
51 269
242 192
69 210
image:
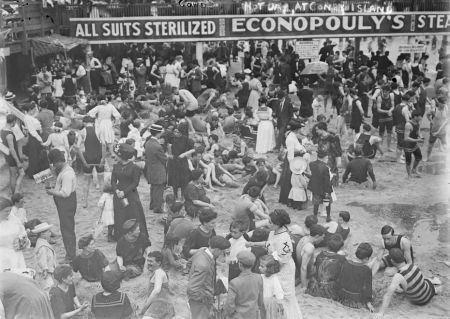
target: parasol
315 68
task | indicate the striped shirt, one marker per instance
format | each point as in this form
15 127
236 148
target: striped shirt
419 290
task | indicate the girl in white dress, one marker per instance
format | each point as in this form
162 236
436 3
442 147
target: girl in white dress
272 290
104 112
265 138
256 89
58 139
299 184
106 205
279 245
172 74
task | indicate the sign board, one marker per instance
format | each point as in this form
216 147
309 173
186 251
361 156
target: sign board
412 48
307 49
258 27
43 176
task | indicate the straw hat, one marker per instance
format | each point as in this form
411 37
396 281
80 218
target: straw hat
247 71
9 96
42 227
298 165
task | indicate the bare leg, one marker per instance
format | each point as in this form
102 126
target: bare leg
88 184
389 139
213 175
21 175
13 179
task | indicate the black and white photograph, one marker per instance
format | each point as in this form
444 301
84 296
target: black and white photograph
224 159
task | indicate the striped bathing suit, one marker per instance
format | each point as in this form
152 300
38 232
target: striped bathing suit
419 290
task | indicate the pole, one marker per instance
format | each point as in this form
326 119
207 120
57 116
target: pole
199 53
3 78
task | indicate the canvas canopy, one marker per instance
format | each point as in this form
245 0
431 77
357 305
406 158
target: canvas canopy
55 43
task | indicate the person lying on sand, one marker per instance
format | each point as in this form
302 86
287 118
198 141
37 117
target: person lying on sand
418 290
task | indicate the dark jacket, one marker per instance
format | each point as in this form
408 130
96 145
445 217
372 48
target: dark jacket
319 183
284 112
201 278
245 298
155 162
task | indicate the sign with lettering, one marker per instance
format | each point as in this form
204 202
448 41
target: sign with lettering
412 48
43 176
291 7
307 49
255 27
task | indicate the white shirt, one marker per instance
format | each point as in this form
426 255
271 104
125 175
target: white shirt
66 182
189 99
237 245
293 145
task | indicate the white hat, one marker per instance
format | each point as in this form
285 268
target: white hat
42 227
298 165
248 71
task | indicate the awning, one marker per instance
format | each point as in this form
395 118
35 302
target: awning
55 43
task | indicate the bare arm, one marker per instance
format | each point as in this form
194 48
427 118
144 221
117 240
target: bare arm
406 247
309 252
397 281
12 150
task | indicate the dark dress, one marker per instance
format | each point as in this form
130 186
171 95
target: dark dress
178 172
306 96
355 285
90 265
197 239
62 301
356 117
328 268
114 306
126 177
191 193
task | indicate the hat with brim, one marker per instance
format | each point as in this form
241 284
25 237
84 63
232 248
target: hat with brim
247 71
298 165
129 224
363 68
42 227
179 228
124 151
9 96
156 128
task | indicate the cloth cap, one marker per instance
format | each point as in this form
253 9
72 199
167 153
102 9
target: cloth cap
111 280
246 258
129 224
219 242
42 227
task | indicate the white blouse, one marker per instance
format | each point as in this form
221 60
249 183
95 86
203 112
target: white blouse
293 146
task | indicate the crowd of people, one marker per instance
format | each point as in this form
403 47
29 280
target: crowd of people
191 130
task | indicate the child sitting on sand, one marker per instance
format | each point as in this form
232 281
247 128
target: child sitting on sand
91 262
45 256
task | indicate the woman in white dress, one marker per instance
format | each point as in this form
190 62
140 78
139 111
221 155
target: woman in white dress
279 245
13 239
104 112
172 74
265 139
256 89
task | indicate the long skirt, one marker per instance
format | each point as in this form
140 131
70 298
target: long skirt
287 281
37 157
285 182
265 139
134 210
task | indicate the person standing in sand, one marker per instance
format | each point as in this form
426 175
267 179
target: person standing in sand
65 197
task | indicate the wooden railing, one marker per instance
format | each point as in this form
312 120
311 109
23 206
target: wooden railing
29 20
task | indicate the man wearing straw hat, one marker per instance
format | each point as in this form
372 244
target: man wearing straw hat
65 197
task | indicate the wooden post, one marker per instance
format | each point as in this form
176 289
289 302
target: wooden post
24 29
3 78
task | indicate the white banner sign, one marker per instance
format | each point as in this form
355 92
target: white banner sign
412 48
307 49
43 176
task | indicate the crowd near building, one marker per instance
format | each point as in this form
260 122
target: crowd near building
198 98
